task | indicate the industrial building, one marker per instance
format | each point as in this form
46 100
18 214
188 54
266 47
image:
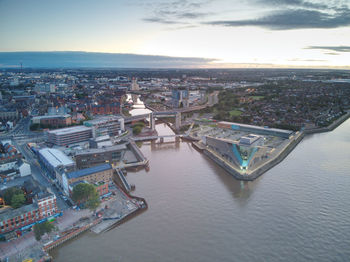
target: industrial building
69 135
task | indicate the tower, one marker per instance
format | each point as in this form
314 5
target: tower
134 84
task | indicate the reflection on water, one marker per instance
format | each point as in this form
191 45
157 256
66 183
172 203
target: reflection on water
297 211
138 106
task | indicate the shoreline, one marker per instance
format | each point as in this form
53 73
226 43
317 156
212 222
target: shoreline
274 161
330 127
259 170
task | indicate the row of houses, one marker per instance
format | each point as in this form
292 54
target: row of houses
40 206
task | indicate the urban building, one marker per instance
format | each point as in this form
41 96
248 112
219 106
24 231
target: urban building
241 154
12 164
101 187
134 84
42 207
256 129
106 125
180 98
69 135
112 108
96 156
96 174
8 114
53 120
51 159
100 142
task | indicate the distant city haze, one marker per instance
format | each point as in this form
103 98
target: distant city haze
217 33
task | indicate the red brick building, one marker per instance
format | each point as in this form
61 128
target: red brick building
20 219
53 121
106 109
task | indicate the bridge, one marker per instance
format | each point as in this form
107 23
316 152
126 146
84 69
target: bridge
163 114
146 138
151 116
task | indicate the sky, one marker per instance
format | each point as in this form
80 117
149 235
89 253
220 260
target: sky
227 33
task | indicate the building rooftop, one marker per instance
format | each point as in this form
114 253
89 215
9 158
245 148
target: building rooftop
51 116
102 150
101 120
56 157
88 171
11 213
69 130
101 138
258 127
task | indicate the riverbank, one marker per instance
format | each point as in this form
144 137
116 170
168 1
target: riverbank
331 127
113 212
112 217
250 175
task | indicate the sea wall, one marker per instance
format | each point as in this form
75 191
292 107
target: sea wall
331 127
71 235
260 170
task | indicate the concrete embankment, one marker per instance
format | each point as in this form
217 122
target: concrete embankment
251 175
70 235
331 127
109 223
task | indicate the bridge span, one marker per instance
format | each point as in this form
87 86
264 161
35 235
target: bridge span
151 116
146 138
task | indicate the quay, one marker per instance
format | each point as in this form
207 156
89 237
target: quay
250 175
331 127
110 220
70 235
275 156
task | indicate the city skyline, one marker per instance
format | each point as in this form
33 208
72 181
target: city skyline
252 33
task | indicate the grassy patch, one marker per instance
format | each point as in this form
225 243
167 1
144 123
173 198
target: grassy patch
235 113
257 97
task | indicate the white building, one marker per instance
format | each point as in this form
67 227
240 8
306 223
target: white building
24 169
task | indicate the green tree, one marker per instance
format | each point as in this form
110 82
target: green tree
18 200
42 228
136 130
87 194
9 193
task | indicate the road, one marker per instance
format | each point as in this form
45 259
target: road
21 132
38 173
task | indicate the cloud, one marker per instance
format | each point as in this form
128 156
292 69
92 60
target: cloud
293 3
344 49
178 12
293 19
98 60
330 53
307 60
160 20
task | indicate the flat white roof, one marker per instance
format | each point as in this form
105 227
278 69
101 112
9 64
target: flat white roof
69 130
258 127
56 157
51 116
103 119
